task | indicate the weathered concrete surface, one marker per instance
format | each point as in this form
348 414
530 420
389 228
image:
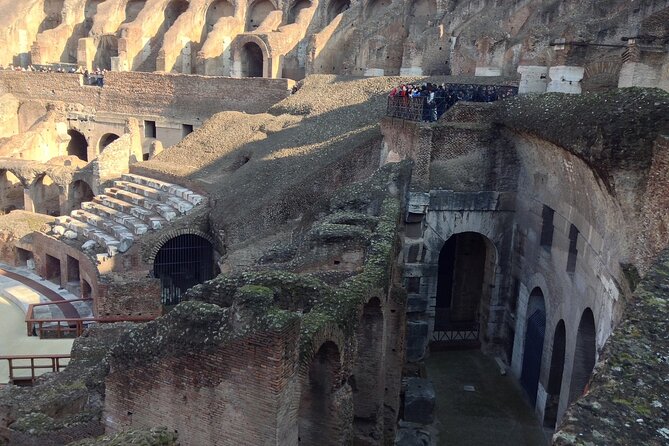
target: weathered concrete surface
627 401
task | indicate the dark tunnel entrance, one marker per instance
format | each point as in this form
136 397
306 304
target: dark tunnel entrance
181 263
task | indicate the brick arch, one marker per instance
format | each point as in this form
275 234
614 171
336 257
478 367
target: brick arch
238 52
168 235
25 181
329 333
601 75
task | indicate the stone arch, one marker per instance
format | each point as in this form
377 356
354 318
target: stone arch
216 11
105 140
535 332
78 146
317 418
466 275
132 9
257 13
53 15
252 60
80 192
585 355
172 12
368 377
336 7
295 9
45 194
376 8
181 262
555 376
601 75
11 192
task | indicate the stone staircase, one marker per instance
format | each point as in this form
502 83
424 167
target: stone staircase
133 206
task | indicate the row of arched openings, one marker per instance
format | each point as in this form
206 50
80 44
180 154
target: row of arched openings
43 192
466 275
78 145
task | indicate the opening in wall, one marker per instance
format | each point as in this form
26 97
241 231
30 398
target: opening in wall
573 251
150 129
547 215
186 129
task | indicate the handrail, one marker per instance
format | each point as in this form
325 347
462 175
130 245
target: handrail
60 302
418 108
72 327
55 365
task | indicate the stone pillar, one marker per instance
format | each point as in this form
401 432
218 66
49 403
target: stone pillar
86 53
533 79
28 203
565 79
637 74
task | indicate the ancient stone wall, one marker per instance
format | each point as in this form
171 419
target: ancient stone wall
167 95
552 218
231 393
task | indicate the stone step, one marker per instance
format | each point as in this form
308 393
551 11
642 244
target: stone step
105 224
164 210
87 232
151 218
183 206
173 189
136 226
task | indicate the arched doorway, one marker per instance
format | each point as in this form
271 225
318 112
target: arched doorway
555 377
367 379
78 146
315 416
466 275
294 11
335 8
105 140
107 48
257 13
46 196
535 333
11 192
172 12
252 60
53 14
81 192
181 263
584 355
216 11
132 9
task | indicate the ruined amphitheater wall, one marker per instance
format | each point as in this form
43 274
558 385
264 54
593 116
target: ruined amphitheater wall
173 96
242 393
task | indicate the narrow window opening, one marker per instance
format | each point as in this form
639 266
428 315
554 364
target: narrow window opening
150 129
186 129
573 251
547 227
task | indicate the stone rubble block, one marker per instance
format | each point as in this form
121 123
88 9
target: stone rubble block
419 401
412 437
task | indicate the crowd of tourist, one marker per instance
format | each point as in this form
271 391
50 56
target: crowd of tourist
428 101
90 78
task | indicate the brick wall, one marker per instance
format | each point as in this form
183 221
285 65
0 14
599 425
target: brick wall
229 396
174 96
128 295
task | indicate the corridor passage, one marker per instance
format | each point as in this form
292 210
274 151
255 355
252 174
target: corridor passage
494 414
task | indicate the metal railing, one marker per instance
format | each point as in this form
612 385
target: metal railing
33 363
448 331
418 108
58 328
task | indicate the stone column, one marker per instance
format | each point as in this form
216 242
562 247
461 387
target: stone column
533 79
565 79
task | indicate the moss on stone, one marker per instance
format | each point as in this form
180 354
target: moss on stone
159 436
